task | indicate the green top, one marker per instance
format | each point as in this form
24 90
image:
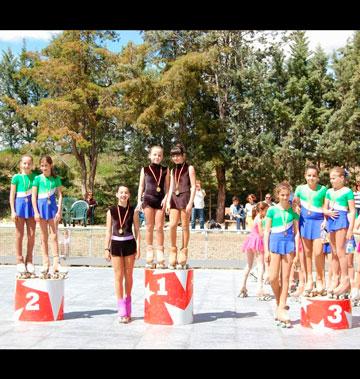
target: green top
23 183
46 185
339 199
310 199
281 219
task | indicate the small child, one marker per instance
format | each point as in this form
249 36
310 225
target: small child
179 205
65 244
237 212
48 215
22 212
254 245
122 248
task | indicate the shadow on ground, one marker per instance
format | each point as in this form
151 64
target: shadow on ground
209 317
88 314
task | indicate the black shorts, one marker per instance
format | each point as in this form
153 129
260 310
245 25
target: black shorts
123 248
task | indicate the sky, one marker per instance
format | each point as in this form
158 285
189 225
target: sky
38 39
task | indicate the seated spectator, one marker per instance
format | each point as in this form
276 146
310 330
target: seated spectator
92 204
237 212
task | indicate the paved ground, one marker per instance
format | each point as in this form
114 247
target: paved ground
221 320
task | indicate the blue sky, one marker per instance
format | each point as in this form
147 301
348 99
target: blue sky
38 39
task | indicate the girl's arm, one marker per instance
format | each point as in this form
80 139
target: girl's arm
141 188
266 239
261 230
167 184
296 205
107 254
351 215
137 233
12 202
356 229
297 241
170 192
34 195
60 200
328 212
192 189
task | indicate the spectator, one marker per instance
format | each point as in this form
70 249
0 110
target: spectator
268 200
92 204
199 205
357 198
237 212
251 198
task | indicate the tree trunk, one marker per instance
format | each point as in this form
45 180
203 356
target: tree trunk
93 166
220 209
80 157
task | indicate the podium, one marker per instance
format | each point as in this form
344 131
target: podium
322 313
168 297
39 299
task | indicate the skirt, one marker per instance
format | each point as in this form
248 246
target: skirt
253 243
47 211
310 228
281 244
24 208
338 223
123 248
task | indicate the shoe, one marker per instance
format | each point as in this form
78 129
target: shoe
160 258
172 258
182 258
150 257
21 272
342 291
243 293
122 312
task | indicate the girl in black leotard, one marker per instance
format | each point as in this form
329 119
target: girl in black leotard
153 187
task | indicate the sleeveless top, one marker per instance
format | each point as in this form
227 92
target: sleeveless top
153 198
184 180
115 222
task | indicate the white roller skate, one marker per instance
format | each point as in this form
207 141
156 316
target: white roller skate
21 272
58 272
31 270
150 257
282 317
342 291
160 258
44 272
172 258
243 293
355 297
182 258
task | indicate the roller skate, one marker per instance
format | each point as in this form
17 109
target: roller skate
320 290
342 291
283 319
31 270
122 313
182 258
172 258
160 259
243 293
149 257
21 272
128 307
58 272
355 297
309 292
262 296
44 272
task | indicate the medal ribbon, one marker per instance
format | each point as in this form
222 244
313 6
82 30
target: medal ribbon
156 180
284 220
120 220
24 181
178 179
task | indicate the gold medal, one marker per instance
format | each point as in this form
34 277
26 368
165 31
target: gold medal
122 222
177 193
157 181
177 181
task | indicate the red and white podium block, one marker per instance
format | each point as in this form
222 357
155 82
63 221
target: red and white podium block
39 300
169 297
323 313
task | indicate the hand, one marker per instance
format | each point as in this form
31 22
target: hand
267 257
37 217
188 209
167 209
137 256
323 224
333 214
349 234
14 216
163 203
57 217
296 261
107 255
139 207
